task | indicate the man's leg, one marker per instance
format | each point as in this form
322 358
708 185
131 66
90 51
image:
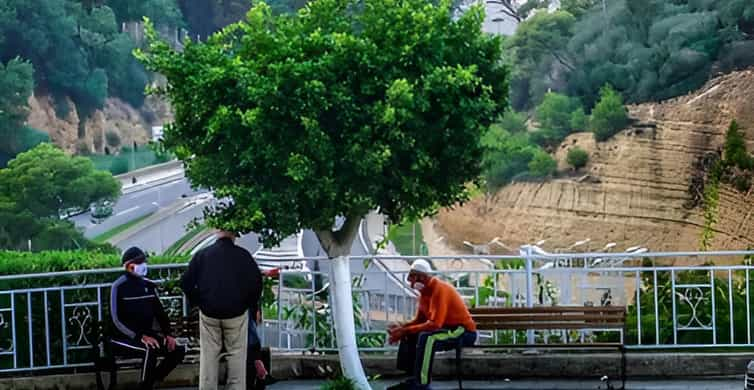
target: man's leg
254 358
235 338
407 353
169 362
133 349
210 343
428 343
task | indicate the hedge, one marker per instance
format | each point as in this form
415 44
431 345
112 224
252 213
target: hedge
17 263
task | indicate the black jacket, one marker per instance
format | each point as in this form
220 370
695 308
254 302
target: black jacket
223 280
135 308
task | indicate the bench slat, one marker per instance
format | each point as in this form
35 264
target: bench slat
547 325
549 346
548 317
548 309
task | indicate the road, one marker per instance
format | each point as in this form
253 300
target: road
160 236
135 205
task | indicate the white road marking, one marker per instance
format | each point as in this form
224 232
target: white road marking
126 211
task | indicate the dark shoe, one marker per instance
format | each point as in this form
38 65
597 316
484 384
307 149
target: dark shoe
269 380
405 385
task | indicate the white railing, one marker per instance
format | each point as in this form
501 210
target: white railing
46 318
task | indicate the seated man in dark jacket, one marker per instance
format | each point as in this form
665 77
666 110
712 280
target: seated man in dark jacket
143 327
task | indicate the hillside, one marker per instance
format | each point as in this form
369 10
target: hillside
637 188
68 132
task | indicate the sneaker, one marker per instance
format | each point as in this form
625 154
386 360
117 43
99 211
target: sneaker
405 385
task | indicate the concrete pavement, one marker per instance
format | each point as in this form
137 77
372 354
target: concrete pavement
542 384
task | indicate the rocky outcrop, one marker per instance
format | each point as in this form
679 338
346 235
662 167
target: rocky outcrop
116 116
636 185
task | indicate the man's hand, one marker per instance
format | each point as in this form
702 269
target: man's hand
150 342
396 334
170 343
261 370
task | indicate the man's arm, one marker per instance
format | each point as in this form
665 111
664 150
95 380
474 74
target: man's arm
438 311
114 304
255 293
162 316
189 281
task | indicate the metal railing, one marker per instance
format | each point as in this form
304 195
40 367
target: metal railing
45 319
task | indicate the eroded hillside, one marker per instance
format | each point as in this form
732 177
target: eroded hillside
635 190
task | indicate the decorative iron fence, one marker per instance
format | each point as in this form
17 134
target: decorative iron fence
46 319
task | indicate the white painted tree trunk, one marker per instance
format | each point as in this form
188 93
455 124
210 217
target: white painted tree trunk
345 330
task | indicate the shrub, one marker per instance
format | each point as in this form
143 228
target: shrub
555 113
340 383
542 164
112 138
17 263
609 115
734 151
579 120
577 158
119 165
513 122
546 137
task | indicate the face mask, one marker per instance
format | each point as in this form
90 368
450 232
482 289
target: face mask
140 269
419 286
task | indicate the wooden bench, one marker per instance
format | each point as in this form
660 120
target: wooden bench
582 318
105 360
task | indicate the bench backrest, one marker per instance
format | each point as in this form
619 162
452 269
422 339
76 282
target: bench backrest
549 317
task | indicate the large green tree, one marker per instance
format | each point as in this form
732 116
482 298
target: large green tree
37 186
45 181
342 108
16 82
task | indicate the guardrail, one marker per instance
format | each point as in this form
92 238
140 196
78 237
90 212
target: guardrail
45 318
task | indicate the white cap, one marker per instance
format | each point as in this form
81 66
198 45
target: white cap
421 265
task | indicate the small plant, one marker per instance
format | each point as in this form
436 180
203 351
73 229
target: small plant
339 383
609 116
542 165
577 158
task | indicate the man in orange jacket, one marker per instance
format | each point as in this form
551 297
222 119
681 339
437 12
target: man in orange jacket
442 322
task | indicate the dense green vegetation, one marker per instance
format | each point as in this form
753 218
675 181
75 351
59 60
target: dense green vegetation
647 49
39 187
129 159
70 48
18 263
573 68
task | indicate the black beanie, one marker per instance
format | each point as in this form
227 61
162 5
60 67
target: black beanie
131 254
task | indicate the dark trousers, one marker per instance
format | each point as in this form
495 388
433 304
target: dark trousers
416 352
256 352
150 371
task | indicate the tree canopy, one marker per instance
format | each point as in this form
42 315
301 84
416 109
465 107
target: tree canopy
647 49
37 186
345 107
16 82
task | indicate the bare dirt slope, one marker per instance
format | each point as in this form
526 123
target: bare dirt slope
637 183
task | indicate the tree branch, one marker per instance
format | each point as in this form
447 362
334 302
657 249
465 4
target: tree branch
338 243
507 8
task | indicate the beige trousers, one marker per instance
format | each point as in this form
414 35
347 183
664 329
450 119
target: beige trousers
213 334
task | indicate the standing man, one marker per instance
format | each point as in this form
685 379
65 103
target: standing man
224 281
142 325
442 321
